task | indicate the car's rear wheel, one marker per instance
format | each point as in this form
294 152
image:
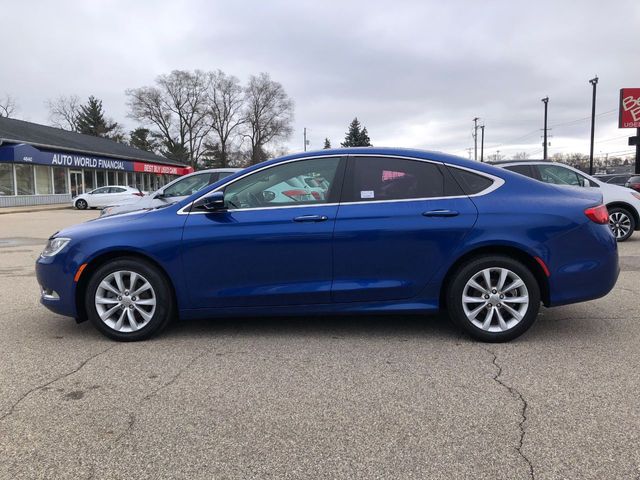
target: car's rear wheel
493 298
128 299
621 223
81 204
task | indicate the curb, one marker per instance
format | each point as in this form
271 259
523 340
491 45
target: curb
8 210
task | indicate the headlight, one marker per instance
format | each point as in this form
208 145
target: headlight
54 245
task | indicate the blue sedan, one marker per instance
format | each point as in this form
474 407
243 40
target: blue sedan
354 231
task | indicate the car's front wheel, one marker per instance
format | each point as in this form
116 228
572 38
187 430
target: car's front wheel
621 223
128 299
493 298
81 204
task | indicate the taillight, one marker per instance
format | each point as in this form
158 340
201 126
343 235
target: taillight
139 194
598 214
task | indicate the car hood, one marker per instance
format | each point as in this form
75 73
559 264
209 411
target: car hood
145 203
97 225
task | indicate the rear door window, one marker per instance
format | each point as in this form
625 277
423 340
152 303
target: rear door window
559 175
525 170
388 178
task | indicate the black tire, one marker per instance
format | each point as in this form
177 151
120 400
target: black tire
470 269
618 217
164 308
81 204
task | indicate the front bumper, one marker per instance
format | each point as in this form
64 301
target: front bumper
57 288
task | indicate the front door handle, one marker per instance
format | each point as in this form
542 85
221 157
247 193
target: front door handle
440 213
311 218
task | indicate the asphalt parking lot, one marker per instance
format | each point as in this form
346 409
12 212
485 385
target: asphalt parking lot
382 397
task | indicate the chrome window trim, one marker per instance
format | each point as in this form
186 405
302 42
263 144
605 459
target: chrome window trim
497 183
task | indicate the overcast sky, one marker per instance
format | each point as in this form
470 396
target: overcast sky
414 72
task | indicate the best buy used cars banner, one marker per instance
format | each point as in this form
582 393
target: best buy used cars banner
23 153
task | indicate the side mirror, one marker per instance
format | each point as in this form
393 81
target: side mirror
268 196
214 202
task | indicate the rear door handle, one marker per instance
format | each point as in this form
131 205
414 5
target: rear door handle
440 213
311 218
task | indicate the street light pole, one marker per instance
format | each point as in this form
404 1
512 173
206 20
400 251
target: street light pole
481 143
594 82
475 138
545 100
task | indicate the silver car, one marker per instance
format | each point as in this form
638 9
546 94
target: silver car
172 192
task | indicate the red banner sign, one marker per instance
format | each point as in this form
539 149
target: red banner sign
629 108
160 169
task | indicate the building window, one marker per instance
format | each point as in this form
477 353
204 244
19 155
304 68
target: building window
100 178
89 180
44 183
111 176
122 178
139 181
60 180
24 179
6 179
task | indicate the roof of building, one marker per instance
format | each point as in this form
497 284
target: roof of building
43 136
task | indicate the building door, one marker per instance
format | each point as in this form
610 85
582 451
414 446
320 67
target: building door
77 186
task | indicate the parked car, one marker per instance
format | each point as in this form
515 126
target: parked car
172 192
614 178
404 231
623 203
103 196
633 183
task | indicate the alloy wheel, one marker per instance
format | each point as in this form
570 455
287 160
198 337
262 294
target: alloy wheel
125 301
620 224
495 299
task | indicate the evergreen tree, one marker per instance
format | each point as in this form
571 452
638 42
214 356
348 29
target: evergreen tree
91 120
327 144
143 139
213 157
365 141
175 151
356 137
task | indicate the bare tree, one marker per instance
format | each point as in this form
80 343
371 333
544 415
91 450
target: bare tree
520 156
225 109
8 106
63 112
177 107
268 114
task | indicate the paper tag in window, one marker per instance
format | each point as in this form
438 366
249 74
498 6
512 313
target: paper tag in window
367 194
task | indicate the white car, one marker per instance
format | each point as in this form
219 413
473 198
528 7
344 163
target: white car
103 196
623 203
172 192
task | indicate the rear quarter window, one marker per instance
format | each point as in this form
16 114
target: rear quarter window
471 183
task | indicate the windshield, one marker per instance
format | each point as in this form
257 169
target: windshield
188 185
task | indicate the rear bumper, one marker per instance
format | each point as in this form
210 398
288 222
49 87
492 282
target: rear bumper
588 267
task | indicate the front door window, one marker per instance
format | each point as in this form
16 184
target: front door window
303 182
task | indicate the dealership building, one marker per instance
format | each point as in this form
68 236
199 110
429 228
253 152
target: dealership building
42 165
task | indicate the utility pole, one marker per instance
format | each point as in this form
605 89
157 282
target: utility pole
475 138
481 143
594 82
305 139
545 100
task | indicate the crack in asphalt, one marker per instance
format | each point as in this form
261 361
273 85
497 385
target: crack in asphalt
59 377
172 380
523 411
